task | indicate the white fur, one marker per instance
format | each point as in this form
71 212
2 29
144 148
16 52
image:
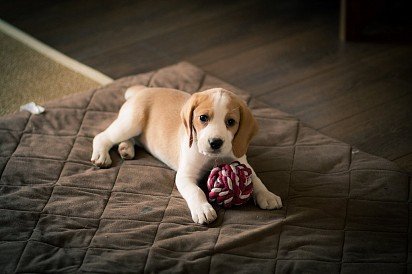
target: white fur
193 162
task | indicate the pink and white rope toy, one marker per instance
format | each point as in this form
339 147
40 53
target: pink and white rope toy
230 184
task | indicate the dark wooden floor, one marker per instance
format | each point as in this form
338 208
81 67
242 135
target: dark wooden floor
286 53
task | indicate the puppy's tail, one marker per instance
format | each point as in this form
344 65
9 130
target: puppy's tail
130 92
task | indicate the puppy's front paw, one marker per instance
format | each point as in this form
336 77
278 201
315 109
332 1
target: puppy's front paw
267 200
203 213
101 159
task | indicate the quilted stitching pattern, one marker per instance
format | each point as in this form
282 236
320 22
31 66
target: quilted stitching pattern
345 211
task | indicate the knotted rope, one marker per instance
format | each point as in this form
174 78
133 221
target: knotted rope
230 184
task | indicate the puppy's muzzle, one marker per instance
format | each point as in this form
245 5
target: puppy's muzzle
215 143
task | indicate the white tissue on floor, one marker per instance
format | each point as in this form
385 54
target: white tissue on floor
32 108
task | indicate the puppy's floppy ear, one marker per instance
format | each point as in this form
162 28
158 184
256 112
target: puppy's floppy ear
248 127
186 115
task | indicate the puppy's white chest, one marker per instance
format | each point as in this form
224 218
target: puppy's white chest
196 161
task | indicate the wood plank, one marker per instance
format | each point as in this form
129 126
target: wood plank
170 47
346 90
117 25
191 40
17 10
405 162
144 60
385 130
303 55
211 40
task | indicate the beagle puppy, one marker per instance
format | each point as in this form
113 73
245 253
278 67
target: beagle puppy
189 133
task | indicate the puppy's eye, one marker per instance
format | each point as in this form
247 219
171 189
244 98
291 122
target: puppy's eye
204 118
230 122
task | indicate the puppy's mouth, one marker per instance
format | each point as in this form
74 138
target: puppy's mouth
212 153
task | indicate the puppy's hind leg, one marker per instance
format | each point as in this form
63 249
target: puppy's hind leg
126 149
126 126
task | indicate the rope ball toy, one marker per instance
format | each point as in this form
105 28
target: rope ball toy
230 184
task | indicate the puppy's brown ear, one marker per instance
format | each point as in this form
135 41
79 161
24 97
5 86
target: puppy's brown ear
186 115
248 128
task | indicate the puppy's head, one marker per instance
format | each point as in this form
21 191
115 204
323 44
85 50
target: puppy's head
219 123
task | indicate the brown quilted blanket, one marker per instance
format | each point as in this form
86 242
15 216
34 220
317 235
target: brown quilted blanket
345 211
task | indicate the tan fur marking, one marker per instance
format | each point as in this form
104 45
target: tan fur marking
233 112
198 104
158 109
248 128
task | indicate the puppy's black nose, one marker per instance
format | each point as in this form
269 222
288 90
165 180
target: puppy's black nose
215 143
